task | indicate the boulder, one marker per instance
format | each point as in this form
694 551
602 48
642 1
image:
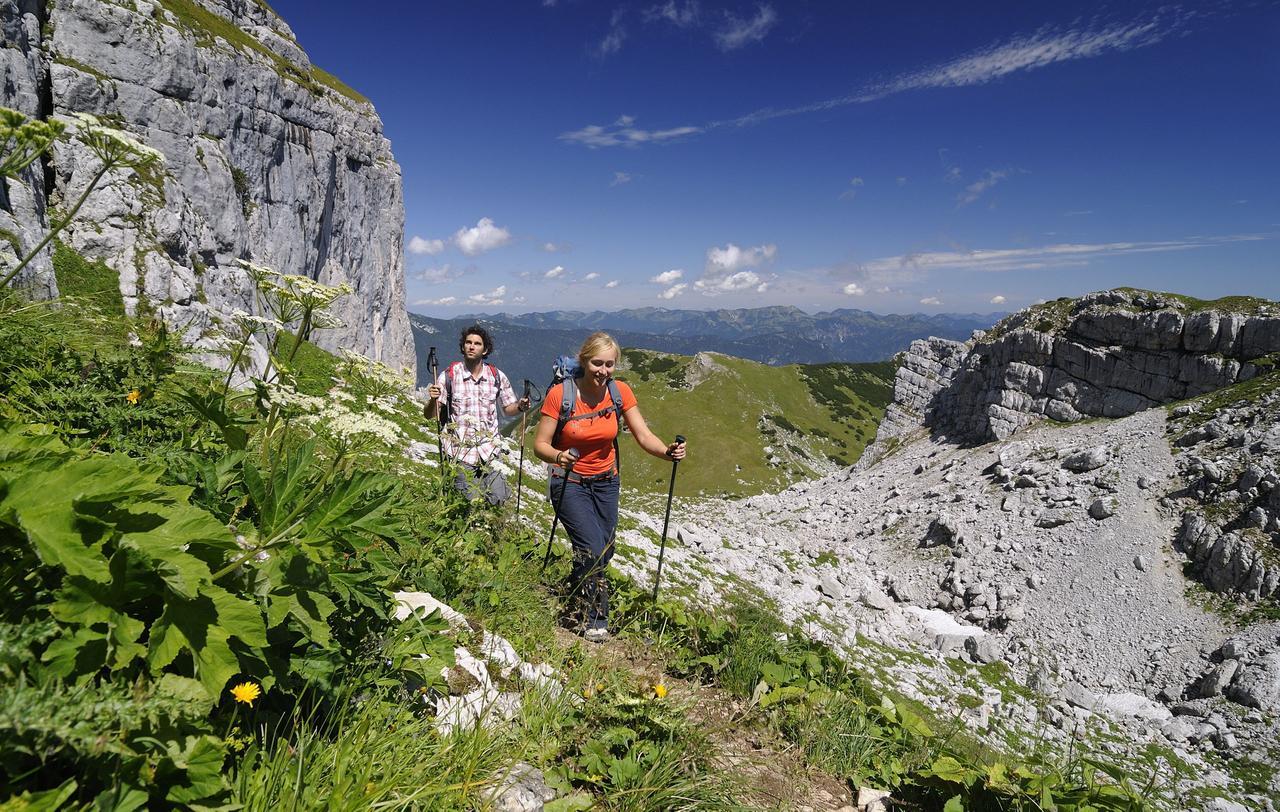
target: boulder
1101 509
1087 460
1257 683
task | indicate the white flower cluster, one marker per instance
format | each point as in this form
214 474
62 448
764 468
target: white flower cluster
342 424
330 417
374 377
251 323
292 401
310 292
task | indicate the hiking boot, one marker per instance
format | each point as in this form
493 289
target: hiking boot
596 635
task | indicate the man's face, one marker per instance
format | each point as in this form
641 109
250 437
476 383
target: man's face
473 347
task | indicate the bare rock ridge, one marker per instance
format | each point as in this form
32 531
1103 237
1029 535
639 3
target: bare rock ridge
267 159
1050 577
1108 354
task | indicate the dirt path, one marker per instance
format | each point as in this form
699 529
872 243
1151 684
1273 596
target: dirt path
770 772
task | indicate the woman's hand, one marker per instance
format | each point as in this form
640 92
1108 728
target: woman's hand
676 450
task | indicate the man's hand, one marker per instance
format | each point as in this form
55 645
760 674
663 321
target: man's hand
434 391
524 404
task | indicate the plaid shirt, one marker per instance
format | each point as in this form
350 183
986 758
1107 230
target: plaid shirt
472 433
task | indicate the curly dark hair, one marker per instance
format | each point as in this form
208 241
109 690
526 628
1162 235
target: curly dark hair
476 330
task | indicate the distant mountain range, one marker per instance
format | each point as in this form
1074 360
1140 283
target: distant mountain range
527 343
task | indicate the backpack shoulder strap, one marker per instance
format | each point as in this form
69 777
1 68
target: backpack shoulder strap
448 391
616 397
568 396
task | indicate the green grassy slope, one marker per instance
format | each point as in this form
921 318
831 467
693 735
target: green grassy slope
752 428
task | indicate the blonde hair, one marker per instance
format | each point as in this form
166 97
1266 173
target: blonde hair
595 344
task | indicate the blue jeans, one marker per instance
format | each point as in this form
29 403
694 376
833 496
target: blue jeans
589 513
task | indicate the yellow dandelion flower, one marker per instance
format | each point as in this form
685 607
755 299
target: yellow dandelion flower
599 687
133 397
660 690
246 692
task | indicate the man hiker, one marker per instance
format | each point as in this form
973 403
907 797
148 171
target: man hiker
469 393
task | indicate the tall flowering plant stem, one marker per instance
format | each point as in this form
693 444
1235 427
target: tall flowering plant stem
113 148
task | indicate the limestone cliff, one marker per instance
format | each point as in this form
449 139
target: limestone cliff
268 159
1108 354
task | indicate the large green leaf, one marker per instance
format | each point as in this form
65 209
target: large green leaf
202 627
201 758
165 545
279 494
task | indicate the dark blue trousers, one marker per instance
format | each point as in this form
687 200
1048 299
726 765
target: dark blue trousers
589 513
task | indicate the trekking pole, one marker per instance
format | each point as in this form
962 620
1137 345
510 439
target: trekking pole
573 457
520 469
433 364
665 521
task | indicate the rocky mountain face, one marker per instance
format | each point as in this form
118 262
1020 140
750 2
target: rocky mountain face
1106 585
267 159
1109 354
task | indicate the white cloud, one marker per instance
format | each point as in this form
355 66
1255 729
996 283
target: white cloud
612 41
418 245
762 287
953 174
439 275
667 277
590 276
732 258
974 190
854 289
554 273
727 271
902 181
620 178
612 283
444 301
1078 213
484 236
673 291
493 297
682 16
737 33
1058 255
552 248
998 299
623 133
1028 52
740 280
854 185
931 300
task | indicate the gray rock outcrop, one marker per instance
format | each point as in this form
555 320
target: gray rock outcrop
267 159
1108 354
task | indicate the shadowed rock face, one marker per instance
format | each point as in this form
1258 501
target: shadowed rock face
1109 354
264 161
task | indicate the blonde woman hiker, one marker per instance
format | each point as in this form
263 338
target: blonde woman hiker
586 486
469 393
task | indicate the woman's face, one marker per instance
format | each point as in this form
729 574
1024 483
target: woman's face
600 366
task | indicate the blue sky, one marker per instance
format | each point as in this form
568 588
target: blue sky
894 157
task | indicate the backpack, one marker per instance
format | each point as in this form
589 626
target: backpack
448 387
566 370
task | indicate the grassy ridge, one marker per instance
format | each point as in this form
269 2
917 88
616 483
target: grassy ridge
752 428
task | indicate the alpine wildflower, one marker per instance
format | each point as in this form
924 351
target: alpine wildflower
660 690
133 397
246 692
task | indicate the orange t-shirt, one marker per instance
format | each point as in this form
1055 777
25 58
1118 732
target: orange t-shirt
592 436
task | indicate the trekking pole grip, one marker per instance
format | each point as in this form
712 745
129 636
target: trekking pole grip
679 441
